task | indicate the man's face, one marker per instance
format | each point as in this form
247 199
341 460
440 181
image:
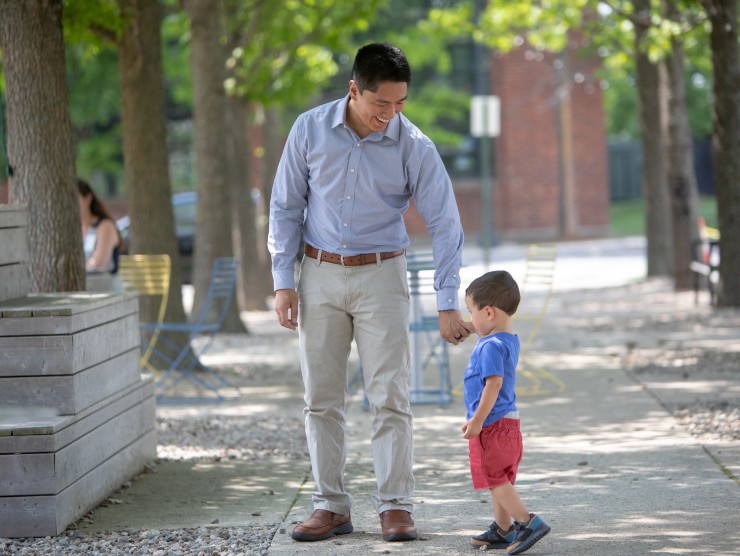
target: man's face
372 111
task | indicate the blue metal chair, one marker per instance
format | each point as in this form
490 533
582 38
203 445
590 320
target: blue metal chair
183 360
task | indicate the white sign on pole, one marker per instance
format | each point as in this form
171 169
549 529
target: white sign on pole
485 116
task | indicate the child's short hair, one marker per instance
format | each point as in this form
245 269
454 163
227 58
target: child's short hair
497 289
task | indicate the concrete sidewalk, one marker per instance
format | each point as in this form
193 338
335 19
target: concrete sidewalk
605 464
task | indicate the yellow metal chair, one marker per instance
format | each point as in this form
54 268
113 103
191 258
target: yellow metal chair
149 276
536 291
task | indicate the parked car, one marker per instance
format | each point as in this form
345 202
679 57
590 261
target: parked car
184 206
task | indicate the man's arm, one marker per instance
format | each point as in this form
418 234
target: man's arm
287 206
435 201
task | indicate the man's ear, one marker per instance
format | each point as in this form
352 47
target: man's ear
354 90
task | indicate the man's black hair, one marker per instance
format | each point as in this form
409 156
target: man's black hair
379 62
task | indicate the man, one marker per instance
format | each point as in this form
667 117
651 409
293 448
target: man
347 173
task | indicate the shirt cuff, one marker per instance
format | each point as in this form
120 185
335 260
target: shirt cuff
283 279
446 300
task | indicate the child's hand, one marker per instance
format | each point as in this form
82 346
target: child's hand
471 429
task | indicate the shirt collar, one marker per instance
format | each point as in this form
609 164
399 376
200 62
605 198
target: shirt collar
340 112
392 130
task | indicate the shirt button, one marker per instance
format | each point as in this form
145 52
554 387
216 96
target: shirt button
344 246
359 144
345 224
352 170
449 301
349 197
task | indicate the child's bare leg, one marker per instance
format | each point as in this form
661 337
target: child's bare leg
501 516
508 499
529 529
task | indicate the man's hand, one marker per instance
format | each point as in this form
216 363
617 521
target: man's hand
453 328
286 308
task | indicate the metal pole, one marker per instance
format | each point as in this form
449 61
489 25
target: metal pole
482 61
486 186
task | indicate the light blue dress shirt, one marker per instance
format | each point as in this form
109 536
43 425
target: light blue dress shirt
347 195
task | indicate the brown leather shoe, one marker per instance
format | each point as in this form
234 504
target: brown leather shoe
321 525
397 525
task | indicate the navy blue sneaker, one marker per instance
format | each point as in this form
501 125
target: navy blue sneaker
494 538
527 534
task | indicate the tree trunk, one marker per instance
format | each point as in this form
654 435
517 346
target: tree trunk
655 188
723 15
253 289
682 186
213 222
40 144
273 148
145 151
568 215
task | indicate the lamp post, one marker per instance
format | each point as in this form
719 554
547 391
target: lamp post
485 125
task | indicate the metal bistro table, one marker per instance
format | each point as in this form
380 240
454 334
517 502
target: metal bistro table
428 348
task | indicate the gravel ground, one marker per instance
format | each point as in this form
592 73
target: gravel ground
231 438
713 420
248 541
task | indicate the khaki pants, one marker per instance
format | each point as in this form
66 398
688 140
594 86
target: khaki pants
371 304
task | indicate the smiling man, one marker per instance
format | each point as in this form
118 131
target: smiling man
345 179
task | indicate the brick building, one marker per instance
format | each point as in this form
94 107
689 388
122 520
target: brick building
550 160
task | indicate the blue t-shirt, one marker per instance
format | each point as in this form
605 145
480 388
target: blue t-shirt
494 355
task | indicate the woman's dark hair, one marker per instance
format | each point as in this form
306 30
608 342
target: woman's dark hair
495 289
96 207
379 62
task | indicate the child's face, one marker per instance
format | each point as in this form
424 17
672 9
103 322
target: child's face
482 317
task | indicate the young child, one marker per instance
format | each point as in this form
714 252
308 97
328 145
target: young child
492 428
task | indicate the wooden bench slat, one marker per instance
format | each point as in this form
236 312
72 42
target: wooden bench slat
69 427
51 472
59 304
70 394
40 516
21 325
67 354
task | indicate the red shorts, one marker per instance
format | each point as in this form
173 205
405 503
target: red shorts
495 454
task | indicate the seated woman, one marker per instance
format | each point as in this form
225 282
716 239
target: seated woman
101 242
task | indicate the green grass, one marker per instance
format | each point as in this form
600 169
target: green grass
628 217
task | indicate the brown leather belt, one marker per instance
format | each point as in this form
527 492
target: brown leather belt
352 260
